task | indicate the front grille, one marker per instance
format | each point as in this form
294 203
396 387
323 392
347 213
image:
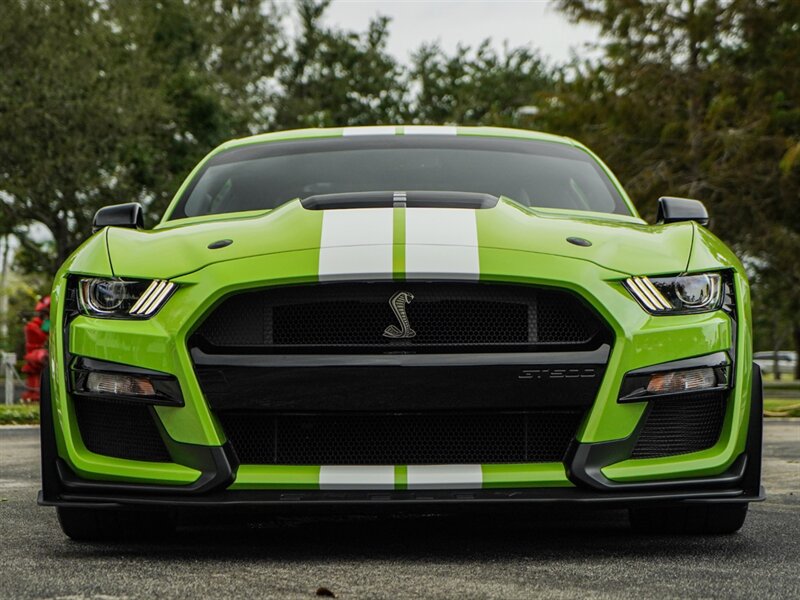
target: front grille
119 429
687 424
355 315
400 439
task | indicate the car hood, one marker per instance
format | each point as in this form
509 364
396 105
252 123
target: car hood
624 244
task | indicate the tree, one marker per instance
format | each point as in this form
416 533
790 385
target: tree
65 102
108 102
337 78
479 86
699 98
211 64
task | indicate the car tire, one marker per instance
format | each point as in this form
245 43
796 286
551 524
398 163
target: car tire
721 519
95 525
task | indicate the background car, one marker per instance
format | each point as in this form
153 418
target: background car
786 359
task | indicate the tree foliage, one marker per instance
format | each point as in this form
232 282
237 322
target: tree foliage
337 78
700 98
106 102
479 86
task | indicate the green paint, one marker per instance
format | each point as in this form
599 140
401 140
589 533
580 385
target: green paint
399 243
273 477
401 477
525 475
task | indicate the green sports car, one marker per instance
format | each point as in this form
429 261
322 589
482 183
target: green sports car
397 318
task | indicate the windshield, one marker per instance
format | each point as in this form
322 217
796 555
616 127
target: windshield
532 173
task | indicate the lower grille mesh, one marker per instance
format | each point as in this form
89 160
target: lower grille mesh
400 439
119 429
688 424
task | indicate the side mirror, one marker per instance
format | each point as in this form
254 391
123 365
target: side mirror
119 215
674 210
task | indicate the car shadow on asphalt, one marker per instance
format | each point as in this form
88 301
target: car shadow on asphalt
546 534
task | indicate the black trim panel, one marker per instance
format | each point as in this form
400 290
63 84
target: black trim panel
523 359
394 389
411 199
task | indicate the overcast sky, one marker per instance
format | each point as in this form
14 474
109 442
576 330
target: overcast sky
534 23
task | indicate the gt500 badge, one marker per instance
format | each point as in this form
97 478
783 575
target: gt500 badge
557 374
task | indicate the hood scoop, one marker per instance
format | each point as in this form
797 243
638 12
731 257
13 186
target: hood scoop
416 199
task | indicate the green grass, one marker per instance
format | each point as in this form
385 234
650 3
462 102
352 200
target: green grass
785 380
781 407
19 414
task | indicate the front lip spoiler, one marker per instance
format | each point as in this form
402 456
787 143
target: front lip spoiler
79 492
423 499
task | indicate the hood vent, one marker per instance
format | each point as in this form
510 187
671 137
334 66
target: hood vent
414 199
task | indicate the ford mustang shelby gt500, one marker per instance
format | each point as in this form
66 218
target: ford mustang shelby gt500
401 317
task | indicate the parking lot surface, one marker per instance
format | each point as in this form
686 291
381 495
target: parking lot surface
542 554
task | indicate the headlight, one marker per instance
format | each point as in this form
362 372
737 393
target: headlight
681 295
120 298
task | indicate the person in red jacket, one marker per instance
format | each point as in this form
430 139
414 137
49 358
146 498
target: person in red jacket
37 332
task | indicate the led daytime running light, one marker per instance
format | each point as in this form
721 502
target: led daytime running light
679 294
153 297
648 294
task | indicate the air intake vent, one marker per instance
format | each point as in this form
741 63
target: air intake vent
688 424
400 439
401 199
119 429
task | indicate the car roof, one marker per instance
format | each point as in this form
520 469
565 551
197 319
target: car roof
328 132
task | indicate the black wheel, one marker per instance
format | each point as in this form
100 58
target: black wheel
91 524
720 518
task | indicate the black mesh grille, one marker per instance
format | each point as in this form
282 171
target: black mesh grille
119 429
680 426
561 318
441 314
400 439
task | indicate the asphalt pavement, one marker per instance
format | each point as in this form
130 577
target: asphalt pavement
541 554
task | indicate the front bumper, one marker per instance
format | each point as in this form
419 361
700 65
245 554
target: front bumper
589 473
740 483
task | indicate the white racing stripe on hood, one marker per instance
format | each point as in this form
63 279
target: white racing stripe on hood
370 130
345 232
441 243
431 477
356 477
429 130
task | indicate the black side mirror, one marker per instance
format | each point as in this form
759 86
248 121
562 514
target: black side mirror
119 215
674 210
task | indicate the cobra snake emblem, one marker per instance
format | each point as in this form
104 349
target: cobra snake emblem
398 303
